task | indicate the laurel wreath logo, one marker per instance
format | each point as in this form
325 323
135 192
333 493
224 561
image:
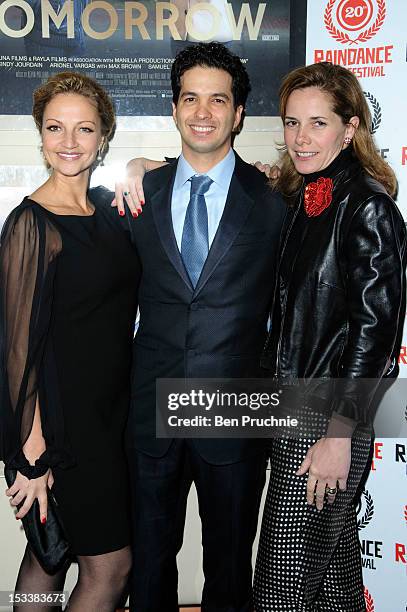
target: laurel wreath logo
343 37
377 112
405 512
369 601
367 517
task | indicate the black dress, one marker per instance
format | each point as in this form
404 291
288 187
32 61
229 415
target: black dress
68 304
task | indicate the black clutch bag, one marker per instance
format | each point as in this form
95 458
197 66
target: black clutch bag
48 542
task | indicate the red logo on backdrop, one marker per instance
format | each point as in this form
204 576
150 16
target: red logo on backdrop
353 16
405 512
401 553
377 455
403 355
369 601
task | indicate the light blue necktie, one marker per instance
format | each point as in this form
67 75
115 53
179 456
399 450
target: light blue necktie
194 242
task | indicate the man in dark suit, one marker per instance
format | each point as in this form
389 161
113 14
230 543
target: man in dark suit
208 241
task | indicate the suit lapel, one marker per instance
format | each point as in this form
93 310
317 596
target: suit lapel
161 208
237 208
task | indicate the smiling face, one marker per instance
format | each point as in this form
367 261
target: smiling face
205 115
71 133
313 133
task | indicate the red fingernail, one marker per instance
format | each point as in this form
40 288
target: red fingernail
43 520
135 214
17 518
121 213
142 202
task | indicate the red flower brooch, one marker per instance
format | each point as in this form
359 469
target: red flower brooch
318 196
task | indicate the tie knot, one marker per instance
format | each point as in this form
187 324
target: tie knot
200 184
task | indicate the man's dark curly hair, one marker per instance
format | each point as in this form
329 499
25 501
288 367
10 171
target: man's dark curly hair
211 55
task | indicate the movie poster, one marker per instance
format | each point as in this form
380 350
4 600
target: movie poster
129 47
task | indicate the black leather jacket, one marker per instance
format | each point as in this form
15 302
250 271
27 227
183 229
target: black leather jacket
339 304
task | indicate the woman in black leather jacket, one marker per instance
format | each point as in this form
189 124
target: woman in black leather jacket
338 314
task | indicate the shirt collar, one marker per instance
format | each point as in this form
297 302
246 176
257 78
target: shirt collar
221 174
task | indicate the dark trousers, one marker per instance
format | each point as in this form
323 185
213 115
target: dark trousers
229 498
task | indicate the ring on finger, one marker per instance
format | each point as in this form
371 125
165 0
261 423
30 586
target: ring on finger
331 490
126 193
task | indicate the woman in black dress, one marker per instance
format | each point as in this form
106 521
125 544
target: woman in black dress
69 280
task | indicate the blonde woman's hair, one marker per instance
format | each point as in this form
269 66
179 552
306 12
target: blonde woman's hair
74 82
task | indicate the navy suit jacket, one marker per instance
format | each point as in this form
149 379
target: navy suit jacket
216 330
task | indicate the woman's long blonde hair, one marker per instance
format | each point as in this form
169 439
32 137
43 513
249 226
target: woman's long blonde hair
348 100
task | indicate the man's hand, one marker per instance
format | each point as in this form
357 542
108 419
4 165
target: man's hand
327 463
25 490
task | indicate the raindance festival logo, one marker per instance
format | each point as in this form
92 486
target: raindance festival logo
369 601
351 22
366 502
376 113
354 21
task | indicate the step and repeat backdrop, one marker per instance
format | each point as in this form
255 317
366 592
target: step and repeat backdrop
129 47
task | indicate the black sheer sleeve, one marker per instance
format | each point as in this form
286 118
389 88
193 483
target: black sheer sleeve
29 248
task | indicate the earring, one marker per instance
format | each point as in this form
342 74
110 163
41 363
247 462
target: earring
99 158
347 140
